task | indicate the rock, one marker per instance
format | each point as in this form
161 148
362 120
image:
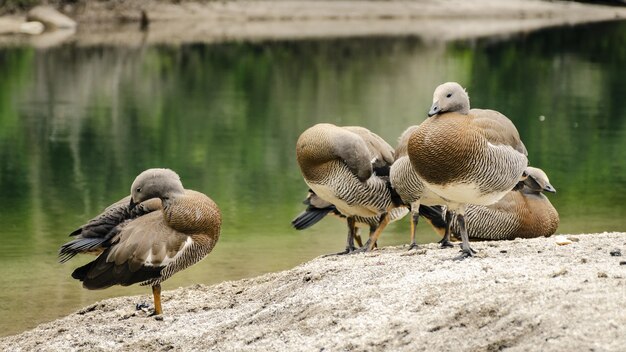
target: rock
51 18
9 25
32 27
562 240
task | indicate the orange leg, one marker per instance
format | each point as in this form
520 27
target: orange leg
414 219
357 238
156 291
384 220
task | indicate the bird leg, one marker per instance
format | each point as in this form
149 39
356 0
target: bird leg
357 238
372 231
445 241
371 242
466 250
352 233
156 292
415 216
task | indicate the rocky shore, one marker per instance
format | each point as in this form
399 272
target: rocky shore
517 295
164 22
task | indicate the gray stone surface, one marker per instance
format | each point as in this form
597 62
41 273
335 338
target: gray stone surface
521 295
51 18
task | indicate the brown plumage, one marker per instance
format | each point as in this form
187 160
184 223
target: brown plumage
466 156
347 167
412 190
160 229
522 213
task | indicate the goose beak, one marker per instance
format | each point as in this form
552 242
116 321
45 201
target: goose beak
434 110
132 204
549 188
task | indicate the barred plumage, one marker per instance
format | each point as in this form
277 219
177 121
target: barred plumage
343 166
466 156
409 187
318 208
525 212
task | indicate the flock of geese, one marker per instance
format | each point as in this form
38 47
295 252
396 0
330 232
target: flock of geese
466 171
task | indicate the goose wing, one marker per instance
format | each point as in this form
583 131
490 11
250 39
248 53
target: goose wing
139 252
497 129
403 142
93 236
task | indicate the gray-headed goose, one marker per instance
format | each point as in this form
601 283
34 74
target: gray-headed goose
160 229
344 166
525 212
466 156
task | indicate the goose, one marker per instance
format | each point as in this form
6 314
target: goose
317 209
147 237
412 191
524 212
466 156
348 167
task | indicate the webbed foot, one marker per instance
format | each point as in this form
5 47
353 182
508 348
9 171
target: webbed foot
348 250
142 306
466 253
145 307
366 247
445 243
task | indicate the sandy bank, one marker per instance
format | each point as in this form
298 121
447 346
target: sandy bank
520 295
117 23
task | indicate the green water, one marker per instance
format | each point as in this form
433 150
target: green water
77 124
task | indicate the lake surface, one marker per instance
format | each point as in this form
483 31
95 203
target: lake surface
77 124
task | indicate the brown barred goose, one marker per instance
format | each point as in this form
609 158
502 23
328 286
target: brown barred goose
466 156
145 238
525 213
412 191
348 167
317 209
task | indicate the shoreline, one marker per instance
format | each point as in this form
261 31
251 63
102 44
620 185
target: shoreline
113 23
521 294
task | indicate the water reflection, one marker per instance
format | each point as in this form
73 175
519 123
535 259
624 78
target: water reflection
78 123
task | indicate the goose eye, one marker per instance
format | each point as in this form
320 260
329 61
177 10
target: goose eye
138 189
449 95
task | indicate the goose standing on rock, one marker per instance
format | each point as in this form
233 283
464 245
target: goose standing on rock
466 156
412 191
524 212
160 229
318 208
348 167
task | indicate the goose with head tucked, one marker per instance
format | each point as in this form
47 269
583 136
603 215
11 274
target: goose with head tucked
348 167
466 156
317 209
160 229
524 212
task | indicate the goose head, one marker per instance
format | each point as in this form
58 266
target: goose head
155 183
538 181
449 97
